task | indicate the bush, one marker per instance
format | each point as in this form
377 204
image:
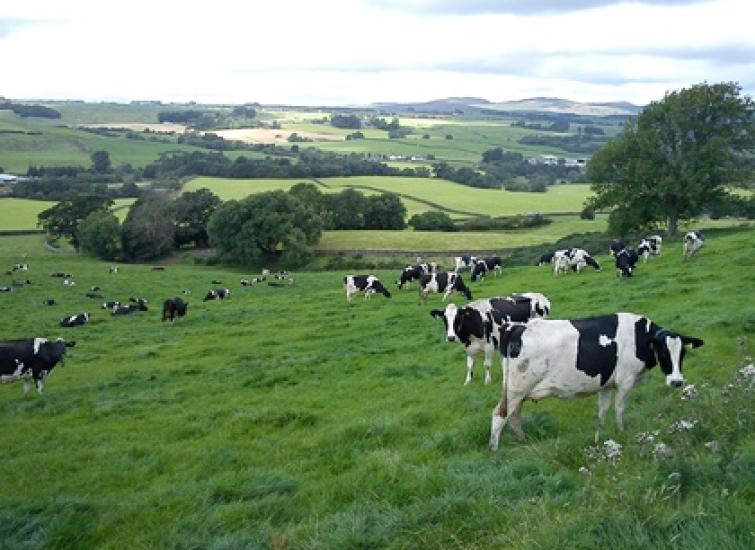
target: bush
434 220
587 213
505 222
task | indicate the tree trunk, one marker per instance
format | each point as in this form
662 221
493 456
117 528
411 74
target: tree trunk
673 222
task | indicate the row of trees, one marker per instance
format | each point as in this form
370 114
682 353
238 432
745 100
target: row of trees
25 111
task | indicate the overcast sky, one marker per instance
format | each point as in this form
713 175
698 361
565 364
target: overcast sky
361 51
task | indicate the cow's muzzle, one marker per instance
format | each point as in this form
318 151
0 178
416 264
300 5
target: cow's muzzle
451 338
676 383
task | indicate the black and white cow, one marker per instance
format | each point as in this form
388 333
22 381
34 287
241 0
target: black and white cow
462 262
20 267
93 295
113 269
174 307
369 284
693 242
31 359
48 302
126 309
110 305
75 320
217 294
573 358
409 274
546 258
69 282
617 245
650 245
446 282
476 325
625 262
61 275
5 289
140 302
579 258
561 260
481 267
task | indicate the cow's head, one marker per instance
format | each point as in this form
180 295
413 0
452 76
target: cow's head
52 352
461 287
669 350
479 270
460 323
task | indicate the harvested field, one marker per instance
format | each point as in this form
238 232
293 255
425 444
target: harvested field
270 135
140 127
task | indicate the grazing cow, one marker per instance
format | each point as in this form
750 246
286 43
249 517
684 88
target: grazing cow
409 274
94 288
265 272
110 305
649 245
580 258
48 302
625 262
113 269
186 291
448 283
173 307
75 320
69 282
693 241
572 358
481 267
217 294
369 284
20 267
5 289
252 282
30 359
93 295
461 262
617 245
246 282
546 258
476 324
139 301
129 308
560 262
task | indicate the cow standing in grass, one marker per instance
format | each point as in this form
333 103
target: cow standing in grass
447 283
31 360
693 241
174 307
574 358
369 284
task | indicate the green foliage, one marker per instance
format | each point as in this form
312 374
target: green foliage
346 121
264 226
432 220
346 210
149 228
504 222
63 219
675 159
384 211
26 111
192 210
100 235
101 162
587 213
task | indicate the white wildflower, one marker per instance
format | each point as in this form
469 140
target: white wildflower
689 392
646 437
712 446
611 450
683 425
661 450
584 471
748 371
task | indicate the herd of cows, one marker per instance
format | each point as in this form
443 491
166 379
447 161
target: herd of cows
540 357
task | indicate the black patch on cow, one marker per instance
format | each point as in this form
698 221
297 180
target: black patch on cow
516 310
643 342
468 323
546 258
360 281
593 358
511 340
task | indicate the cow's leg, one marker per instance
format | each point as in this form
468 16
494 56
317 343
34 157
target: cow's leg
489 351
27 386
604 402
515 421
447 294
470 365
502 413
622 392
40 385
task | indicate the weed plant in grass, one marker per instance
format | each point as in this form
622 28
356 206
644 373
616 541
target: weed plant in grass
285 418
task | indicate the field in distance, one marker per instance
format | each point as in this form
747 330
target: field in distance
285 418
19 214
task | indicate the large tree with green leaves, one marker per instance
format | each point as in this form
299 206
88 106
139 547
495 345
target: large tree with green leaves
149 228
265 227
63 219
192 211
100 234
678 158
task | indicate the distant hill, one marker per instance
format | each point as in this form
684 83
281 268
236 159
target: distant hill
558 105
531 105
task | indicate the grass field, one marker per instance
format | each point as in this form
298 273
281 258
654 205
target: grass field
447 194
284 418
22 213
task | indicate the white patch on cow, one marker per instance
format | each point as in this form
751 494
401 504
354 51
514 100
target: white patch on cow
605 341
674 345
15 375
38 342
450 315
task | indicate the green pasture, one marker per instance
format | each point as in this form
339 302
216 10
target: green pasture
284 418
61 146
22 213
447 194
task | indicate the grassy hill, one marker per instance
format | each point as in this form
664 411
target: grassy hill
22 213
285 418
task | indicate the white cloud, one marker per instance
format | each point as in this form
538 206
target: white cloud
296 51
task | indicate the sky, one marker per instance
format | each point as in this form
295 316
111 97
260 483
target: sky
357 52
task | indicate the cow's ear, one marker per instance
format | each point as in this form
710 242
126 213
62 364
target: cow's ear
71 344
436 313
692 341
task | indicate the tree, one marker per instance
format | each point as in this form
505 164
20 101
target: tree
433 220
192 212
100 235
149 228
265 226
346 209
676 159
63 219
384 211
101 162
